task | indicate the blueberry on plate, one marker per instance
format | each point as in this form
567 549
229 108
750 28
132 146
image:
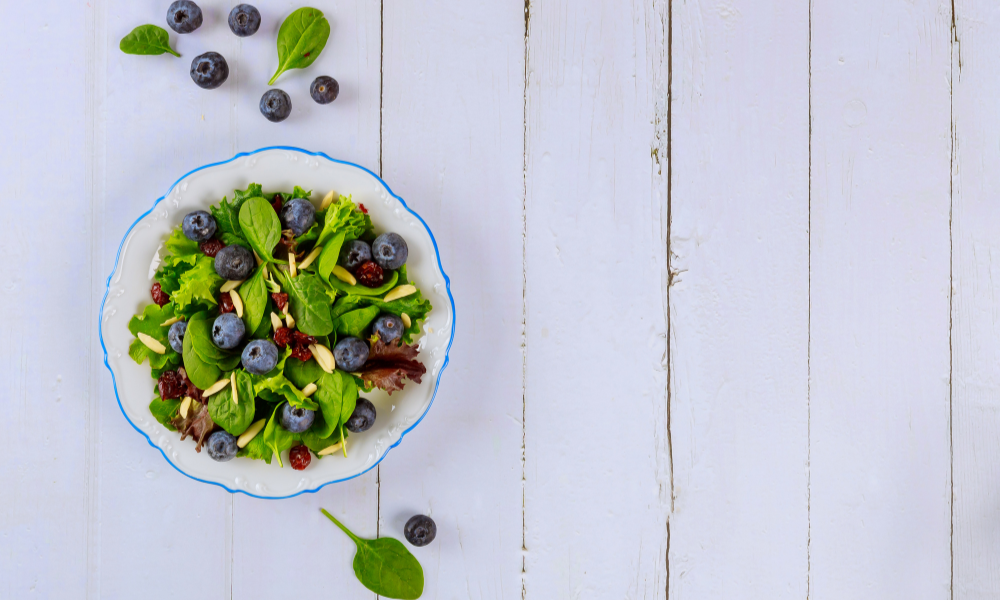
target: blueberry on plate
275 105
388 328
294 419
324 89
184 16
350 354
198 226
420 530
221 446
175 335
234 263
227 331
355 253
389 250
298 215
362 418
244 20
209 70
260 356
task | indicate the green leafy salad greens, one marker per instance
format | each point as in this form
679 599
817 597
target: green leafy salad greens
296 296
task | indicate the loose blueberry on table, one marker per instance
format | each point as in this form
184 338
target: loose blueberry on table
209 70
275 105
184 16
244 20
324 89
420 530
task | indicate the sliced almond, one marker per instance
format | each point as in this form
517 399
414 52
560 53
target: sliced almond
232 284
329 449
344 275
291 264
276 322
152 343
289 320
323 357
185 405
309 390
232 382
327 199
170 322
237 302
216 387
259 261
311 257
247 436
406 319
400 291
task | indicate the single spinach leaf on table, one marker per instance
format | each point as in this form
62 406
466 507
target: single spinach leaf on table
354 323
147 40
260 226
302 37
385 566
309 303
253 292
201 372
231 416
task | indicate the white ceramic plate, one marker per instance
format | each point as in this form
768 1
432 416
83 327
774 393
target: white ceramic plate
277 168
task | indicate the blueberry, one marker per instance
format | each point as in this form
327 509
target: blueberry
234 263
389 328
260 356
420 530
175 335
350 354
221 446
298 215
184 16
294 419
244 20
324 89
362 418
389 250
209 70
198 226
227 331
355 253
275 105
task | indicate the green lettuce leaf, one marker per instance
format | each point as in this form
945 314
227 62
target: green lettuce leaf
150 324
231 416
309 303
202 373
355 322
415 306
343 216
276 437
253 292
198 287
302 373
256 449
260 226
164 410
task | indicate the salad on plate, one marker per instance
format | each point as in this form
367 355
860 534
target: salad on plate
270 317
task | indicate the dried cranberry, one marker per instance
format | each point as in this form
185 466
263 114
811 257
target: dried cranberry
369 274
159 296
302 339
283 336
211 247
301 352
299 457
363 209
280 299
226 303
171 385
276 203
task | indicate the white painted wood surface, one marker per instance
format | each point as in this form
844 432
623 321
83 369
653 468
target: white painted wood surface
726 310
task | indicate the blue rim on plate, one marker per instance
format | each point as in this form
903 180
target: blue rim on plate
437 382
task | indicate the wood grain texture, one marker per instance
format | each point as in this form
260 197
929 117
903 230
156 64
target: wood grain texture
739 302
880 472
452 135
976 221
597 484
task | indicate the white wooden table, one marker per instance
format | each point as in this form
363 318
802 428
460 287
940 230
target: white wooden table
727 325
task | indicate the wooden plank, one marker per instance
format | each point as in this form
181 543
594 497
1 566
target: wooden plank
452 134
597 487
49 319
739 303
976 383
280 548
880 474
154 528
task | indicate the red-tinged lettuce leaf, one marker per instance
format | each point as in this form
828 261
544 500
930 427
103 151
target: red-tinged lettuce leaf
197 424
389 364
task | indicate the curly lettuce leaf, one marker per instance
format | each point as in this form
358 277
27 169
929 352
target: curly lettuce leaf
198 287
343 216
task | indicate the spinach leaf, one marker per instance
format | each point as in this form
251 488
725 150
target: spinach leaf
276 437
329 256
263 330
385 566
227 215
354 323
360 290
302 373
309 304
201 372
256 449
334 392
302 37
164 410
260 226
314 442
253 292
415 306
147 40
200 332
198 286
149 324
233 417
